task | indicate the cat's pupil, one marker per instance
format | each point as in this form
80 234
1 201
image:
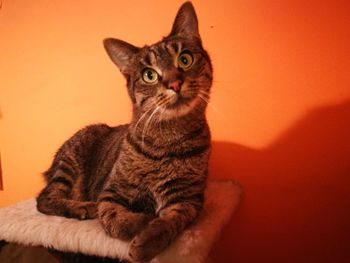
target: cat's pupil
184 60
150 75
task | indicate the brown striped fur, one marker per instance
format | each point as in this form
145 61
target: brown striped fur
145 180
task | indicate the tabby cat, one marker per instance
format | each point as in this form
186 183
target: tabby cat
144 181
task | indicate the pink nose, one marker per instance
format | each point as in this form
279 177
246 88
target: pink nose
175 85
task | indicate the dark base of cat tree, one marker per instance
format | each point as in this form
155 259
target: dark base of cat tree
62 257
78 257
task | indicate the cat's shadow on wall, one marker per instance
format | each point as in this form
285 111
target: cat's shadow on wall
296 205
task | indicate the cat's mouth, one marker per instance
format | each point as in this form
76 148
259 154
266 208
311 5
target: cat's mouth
178 100
180 105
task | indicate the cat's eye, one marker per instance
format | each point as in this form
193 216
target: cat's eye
149 76
185 60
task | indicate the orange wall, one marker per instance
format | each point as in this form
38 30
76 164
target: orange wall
279 111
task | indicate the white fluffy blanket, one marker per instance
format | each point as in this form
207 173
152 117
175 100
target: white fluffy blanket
22 223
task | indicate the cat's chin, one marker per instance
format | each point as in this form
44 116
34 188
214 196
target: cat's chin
182 106
178 102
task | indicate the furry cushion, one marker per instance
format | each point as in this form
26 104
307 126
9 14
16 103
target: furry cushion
22 223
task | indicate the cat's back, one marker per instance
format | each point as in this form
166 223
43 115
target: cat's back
88 147
87 158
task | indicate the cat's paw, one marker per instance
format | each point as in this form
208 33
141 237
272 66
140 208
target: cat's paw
150 242
86 210
124 225
130 224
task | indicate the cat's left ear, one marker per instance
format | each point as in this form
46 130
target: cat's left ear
186 22
120 52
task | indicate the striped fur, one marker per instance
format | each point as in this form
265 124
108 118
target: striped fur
144 181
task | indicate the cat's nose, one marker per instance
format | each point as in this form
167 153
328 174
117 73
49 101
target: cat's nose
175 85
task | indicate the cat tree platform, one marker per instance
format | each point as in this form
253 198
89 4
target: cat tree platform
23 224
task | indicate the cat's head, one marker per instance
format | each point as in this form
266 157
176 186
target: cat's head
173 76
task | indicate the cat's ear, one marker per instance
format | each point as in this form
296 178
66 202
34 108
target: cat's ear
120 52
186 22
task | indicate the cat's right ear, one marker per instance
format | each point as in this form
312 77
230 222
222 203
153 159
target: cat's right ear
120 52
186 22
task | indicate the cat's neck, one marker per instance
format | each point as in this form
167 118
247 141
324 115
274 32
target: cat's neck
162 131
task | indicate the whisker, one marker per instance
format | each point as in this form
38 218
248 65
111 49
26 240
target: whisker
202 96
160 104
206 93
145 127
160 120
159 99
143 116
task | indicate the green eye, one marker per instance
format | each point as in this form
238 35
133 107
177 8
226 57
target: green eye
149 76
185 60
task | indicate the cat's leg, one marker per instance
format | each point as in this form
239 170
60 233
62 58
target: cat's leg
161 231
55 199
68 208
117 219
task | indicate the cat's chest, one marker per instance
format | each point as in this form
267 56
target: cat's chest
145 170
140 169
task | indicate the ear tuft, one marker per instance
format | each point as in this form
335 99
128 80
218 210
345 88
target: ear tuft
120 52
186 22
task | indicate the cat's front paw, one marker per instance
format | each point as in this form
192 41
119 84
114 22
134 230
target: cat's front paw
150 242
86 210
130 224
121 224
